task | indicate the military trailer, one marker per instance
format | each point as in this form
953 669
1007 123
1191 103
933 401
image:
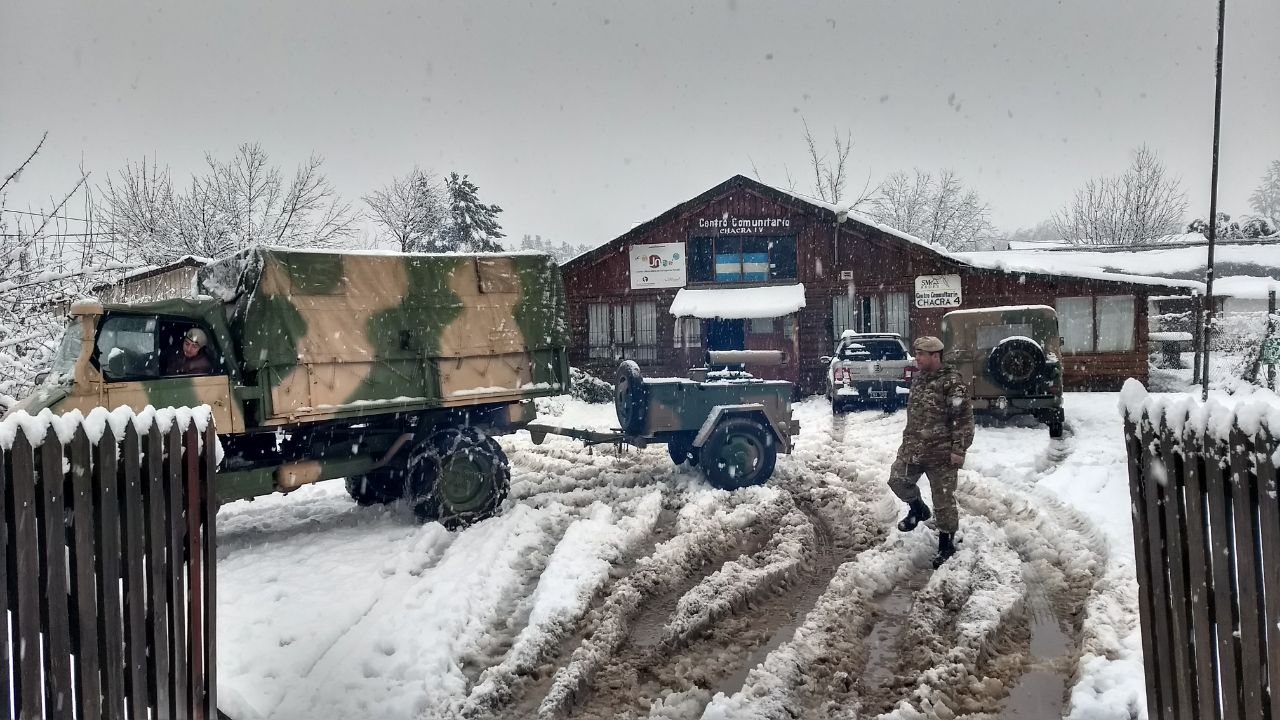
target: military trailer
725 421
394 371
1009 356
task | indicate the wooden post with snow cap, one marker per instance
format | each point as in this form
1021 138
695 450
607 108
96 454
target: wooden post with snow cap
1271 337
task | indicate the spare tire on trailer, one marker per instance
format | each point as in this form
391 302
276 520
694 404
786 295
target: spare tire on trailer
631 398
1016 363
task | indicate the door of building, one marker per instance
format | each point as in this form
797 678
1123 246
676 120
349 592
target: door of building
726 334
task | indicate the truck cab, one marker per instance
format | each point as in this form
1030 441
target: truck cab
113 355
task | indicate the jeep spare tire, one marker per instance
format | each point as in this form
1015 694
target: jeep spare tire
631 398
1016 363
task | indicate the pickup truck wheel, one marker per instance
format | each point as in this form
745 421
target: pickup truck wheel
460 478
740 452
376 488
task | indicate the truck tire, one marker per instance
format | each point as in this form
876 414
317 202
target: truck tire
1016 363
459 477
377 488
631 399
740 452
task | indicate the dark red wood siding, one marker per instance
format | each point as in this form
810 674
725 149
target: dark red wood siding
880 262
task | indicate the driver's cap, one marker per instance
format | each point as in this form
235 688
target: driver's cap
928 343
197 336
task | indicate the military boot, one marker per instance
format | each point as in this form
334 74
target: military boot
946 548
917 512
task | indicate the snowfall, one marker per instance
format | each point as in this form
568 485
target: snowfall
617 584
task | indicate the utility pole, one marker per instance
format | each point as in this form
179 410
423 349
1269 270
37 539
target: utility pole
1206 333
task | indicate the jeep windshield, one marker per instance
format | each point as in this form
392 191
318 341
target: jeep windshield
64 360
864 349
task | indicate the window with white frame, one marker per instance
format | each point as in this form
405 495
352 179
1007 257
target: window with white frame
889 312
687 333
1096 324
625 330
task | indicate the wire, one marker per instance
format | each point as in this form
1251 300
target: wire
42 215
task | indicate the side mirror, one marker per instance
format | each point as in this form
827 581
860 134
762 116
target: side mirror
825 359
41 377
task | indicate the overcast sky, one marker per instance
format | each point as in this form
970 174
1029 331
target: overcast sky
581 117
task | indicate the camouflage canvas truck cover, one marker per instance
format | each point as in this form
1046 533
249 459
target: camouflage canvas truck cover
1009 356
391 370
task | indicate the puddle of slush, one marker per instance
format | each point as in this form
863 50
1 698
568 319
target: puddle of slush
1039 691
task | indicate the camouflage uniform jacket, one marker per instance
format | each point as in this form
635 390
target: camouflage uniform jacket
939 418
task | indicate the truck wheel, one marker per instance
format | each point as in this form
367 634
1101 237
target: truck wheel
1016 363
631 398
460 477
739 452
377 488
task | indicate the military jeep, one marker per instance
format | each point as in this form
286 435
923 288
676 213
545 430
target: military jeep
1010 358
721 419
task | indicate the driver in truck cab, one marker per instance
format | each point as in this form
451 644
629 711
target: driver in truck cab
192 359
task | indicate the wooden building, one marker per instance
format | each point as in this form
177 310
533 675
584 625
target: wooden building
749 266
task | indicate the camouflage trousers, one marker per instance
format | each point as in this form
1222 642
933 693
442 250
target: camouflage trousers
904 476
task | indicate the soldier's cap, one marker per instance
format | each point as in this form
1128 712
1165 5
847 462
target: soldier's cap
197 336
928 343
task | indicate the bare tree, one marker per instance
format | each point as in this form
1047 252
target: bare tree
1142 205
412 211
41 264
935 208
830 174
234 205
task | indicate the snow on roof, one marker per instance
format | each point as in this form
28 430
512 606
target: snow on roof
1042 262
1172 265
739 303
1245 286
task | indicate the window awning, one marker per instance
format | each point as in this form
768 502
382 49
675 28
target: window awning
739 303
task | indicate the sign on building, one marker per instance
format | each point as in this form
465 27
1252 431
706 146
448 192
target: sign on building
937 291
657 266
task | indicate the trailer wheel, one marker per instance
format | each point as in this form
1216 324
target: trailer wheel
681 450
460 477
740 452
631 398
376 488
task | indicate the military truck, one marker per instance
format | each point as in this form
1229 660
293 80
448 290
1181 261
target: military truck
394 371
1009 356
726 421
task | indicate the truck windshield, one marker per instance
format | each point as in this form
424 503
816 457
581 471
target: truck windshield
872 349
64 361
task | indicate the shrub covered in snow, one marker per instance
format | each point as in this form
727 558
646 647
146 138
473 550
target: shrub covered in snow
588 387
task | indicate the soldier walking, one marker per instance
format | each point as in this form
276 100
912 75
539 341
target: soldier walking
938 433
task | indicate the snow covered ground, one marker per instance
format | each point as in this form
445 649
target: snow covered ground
616 584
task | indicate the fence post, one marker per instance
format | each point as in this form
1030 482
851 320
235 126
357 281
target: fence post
1269 519
1248 567
1217 482
1199 575
88 666
161 566
1134 440
57 629
1271 333
107 511
29 691
208 497
6 577
1175 558
133 535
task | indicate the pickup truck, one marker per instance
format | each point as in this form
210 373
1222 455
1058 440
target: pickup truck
869 368
394 371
